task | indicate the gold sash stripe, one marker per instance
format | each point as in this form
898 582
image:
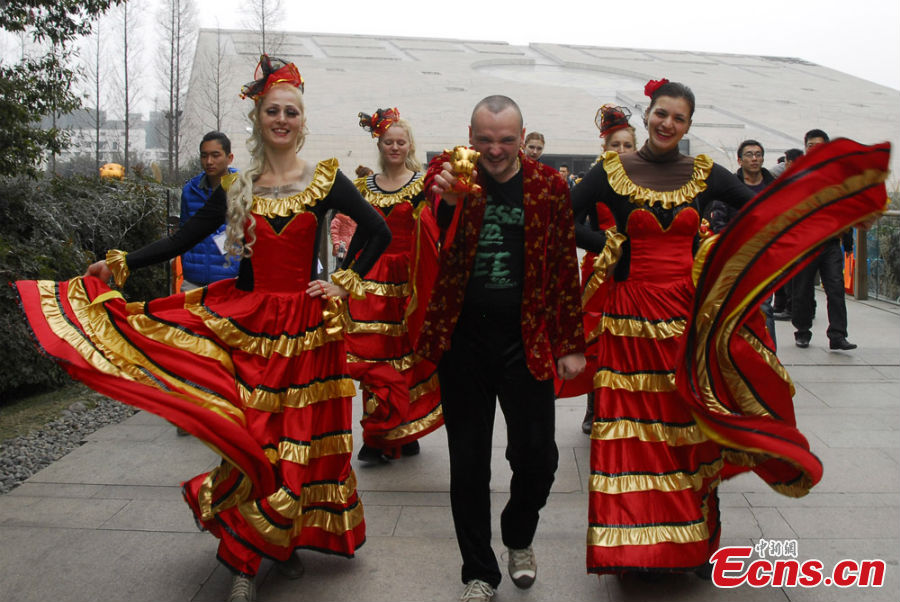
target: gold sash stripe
416 426
650 382
297 396
604 263
386 289
608 536
678 480
651 431
385 328
626 326
640 196
400 364
425 387
302 452
287 345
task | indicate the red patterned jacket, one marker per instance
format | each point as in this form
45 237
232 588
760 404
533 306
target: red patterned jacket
551 302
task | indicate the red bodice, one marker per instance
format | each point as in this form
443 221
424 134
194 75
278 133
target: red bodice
661 254
282 260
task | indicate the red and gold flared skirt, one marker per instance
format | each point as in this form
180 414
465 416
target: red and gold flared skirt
259 377
401 394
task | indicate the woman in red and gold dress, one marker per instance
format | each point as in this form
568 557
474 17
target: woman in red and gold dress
401 396
254 366
619 137
688 388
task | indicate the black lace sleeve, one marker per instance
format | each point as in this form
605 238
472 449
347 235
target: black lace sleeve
203 223
372 234
585 196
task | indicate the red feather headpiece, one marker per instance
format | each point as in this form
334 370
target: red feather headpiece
379 122
610 118
269 72
653 85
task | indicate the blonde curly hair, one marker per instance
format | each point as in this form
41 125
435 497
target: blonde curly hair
240 230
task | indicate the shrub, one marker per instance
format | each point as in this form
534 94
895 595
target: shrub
51 229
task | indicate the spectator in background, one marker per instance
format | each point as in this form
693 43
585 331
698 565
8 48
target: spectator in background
534 145
342 227
205 263
829 263
564 172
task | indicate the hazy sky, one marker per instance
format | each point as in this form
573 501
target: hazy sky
861 38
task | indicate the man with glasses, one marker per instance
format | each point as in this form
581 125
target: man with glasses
751 171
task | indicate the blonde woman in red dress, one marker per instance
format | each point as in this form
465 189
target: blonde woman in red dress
254 366
401 396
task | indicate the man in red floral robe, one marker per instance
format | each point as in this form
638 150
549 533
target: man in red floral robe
504 317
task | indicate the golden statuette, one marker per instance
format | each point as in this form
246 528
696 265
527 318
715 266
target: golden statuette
463 161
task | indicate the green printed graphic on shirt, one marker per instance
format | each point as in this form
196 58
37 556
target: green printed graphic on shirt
493 260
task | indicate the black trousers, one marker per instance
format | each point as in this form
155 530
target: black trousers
486 361
830 265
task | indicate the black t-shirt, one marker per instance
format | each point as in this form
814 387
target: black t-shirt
497 273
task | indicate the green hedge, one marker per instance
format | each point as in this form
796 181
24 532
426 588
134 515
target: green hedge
52 229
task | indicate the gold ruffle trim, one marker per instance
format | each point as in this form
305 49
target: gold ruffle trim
386 289
318 189
301 453
115 261
424 388
212 481
675 481
637 381
655 432
351 282
293 509
391 330
296 397
401 364
285 345
379 199
640 196
229 179
637 327
417 426
604 263
608 537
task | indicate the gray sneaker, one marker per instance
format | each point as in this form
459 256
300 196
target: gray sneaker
477 591
242 589
522 567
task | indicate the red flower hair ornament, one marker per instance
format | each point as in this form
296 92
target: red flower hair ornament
379 122
269 72
653 85
610 118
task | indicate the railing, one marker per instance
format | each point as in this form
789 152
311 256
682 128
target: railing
879 250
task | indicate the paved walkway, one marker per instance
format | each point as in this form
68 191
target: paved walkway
107 522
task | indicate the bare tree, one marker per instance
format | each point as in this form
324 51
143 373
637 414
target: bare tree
179 31
95 76
128 74
264 14
214 76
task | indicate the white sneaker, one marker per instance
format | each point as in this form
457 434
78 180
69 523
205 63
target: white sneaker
477 591
522 567
242 589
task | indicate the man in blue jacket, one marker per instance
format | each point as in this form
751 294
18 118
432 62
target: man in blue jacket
205 263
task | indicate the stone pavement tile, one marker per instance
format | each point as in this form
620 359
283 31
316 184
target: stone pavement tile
831 551
855 394
156 515
772 524
842 427
90 463
432 522
893 454
404 498
817 374
804 400
72 513
381 520
823 499
568 423
168 493
583 461
567 478
564 518
86 565
740 523
844 523
427 472
684 588
857 471
890 372
34 489
137 432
